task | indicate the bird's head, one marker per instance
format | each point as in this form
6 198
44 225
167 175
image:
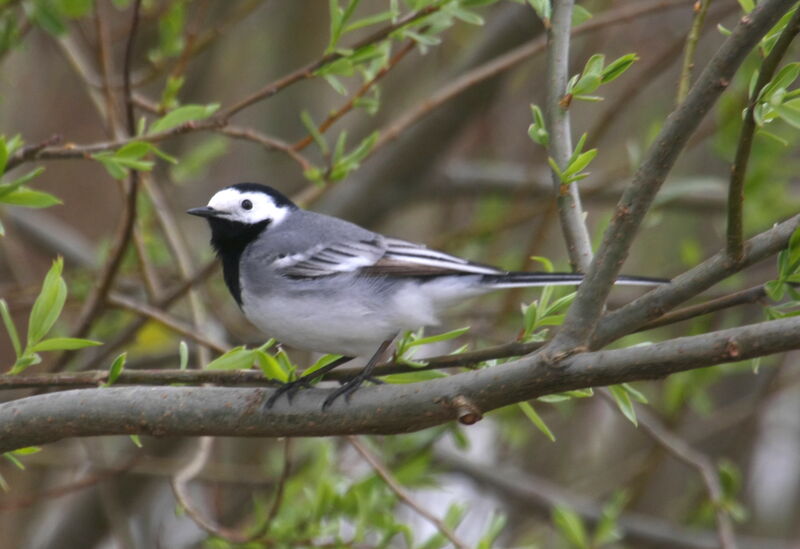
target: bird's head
239 213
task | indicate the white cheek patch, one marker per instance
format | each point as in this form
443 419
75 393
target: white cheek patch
229 203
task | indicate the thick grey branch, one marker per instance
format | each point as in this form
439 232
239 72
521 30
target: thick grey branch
383 409
638 197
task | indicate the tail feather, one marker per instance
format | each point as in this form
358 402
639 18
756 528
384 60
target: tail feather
526 279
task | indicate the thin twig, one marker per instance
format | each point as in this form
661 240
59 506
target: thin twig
700 9
106 69
540 494
97 297
152 285
67 489
180 486
570 211
743 297
683 451
735 233
277 500
510 59
88 378
362 91
395 486
125 334
268 142
163 318
308 70
177 244
584 314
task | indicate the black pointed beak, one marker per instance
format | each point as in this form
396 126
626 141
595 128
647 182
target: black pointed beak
205 211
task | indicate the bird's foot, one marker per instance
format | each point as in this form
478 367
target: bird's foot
290 389
303 382
349 387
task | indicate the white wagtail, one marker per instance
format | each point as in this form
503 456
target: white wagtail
323 284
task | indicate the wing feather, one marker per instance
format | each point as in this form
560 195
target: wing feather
378 256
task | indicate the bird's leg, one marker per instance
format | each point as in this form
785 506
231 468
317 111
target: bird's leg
355 382
304 381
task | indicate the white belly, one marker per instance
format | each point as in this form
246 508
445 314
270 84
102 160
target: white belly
354 322
327 327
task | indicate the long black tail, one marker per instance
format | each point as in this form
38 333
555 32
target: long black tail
523 279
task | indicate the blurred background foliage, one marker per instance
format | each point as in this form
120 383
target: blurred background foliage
465 177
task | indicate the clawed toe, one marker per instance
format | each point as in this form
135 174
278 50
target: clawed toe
290 389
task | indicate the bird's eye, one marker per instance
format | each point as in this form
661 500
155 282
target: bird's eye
247 205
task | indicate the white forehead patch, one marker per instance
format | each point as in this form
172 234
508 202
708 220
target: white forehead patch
231 203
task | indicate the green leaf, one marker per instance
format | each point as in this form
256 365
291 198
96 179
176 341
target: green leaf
580 15
747 5
468 17
536 420
10 328
238 358
607 530
581 162
624 403
537 131
789 112
26 360
48 305
594 65
3 155
413 377
183 355
336 84
30 198
371 20
13 459
116 368
8 188
616 68
76 8
46 14
315 134
542 9
271 368
571 526
637 395
182 115
452 334
785 77
64 344
28 450
136 440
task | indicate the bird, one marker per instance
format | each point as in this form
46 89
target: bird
323 284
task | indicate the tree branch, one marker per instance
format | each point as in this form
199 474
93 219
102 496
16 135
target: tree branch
683 451
570 211
739 169
700 10
585 312
308 71
382 409
402 493
656 302
541 494
510 59
97 297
